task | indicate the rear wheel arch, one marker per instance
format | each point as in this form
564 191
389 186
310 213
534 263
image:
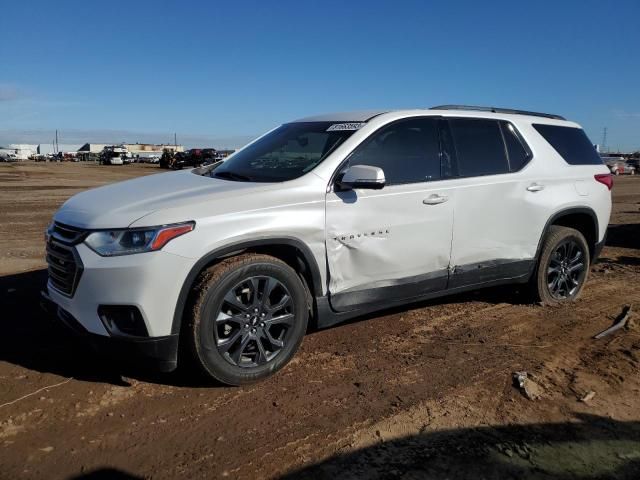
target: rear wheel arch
292 251
583 219
563 266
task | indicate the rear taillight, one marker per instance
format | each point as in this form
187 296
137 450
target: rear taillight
605 179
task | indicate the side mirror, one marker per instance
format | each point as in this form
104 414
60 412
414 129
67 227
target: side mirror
362 176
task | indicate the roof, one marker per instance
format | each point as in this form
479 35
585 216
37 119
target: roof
355 116
445 111
511 111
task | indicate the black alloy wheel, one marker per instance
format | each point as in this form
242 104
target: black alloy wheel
253 321
566 269
563 266
248 316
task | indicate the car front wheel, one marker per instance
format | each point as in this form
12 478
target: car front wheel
248 318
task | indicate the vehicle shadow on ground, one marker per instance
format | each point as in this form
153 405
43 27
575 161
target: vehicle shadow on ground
106 474
511 294
625 260
33 339
625 235
592 448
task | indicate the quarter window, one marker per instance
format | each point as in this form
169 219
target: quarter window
571 143
479 147
407 151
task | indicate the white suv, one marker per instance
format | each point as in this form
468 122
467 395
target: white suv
327 218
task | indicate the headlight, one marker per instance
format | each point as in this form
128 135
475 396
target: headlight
110 243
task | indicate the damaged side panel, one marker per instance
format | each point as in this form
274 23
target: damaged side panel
387 241
498 225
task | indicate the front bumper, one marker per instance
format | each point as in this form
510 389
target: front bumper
158 353
151 282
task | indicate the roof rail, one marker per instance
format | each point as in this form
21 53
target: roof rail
497 110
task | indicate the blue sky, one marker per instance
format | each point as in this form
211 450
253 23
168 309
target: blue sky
221 72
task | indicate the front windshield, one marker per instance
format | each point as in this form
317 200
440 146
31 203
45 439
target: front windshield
286 153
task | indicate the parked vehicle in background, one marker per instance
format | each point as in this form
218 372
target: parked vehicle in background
193 158
209 155
635 163
178 161
67 157
113 155
328 217
622 168
166 160
8 157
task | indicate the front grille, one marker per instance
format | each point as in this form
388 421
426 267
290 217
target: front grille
67 234
65 266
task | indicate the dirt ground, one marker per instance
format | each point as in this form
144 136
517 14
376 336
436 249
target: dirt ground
420 392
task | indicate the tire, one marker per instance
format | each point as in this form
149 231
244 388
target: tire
563 266
239 335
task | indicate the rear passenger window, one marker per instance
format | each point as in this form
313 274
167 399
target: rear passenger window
407 151
571 143
479 147
518 153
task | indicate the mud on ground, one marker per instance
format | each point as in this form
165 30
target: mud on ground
420 392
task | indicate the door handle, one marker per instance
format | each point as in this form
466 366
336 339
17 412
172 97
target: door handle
535 187
435 199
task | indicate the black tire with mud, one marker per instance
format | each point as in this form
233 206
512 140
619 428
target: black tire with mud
555 237
207 297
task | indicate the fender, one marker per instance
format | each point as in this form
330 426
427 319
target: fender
562 213
236 247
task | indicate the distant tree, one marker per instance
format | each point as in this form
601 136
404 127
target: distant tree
635 154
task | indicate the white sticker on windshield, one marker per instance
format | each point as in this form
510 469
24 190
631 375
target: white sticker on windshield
345 126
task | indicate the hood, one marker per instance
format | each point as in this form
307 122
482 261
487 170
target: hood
120 204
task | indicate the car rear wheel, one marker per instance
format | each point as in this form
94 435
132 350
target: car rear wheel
249 316
563 266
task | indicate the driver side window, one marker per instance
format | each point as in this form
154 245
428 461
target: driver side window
407 151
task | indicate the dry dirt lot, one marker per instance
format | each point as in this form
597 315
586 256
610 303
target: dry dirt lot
420 392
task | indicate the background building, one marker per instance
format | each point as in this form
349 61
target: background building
91 151
19 151
139 148
51 149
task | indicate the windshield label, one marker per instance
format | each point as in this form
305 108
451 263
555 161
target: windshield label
345 126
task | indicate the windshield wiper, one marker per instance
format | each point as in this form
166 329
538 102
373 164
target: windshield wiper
231 176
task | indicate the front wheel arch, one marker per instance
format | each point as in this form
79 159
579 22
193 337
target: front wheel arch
223 294
289 249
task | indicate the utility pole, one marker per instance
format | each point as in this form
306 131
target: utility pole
175 141
604 139
57 148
